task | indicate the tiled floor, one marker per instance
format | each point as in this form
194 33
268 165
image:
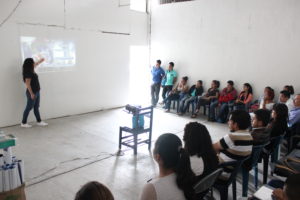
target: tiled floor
74 150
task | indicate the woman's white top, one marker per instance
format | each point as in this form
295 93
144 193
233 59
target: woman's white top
164 188
269 106
197 165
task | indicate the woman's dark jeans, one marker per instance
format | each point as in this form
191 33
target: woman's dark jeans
32 103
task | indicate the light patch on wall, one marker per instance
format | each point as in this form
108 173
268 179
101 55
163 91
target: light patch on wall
138 5
58 54
139 85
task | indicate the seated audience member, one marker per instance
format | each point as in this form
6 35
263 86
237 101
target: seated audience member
195 91
94 191
198 144
244 98
294 115
260 121
176 178
178 93
211 95
279 120
285 98
227 96
291 189
268 100
170 79
290 89
236 145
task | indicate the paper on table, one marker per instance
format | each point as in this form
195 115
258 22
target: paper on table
264 193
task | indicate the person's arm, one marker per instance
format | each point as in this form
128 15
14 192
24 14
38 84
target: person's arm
278 194
217 147
249 99
174 80
28 86
148 192
39 62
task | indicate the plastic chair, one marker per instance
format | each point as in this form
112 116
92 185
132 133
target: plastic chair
273 152
222 185
251 163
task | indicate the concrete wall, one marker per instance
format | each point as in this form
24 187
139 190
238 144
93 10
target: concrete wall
100 76
244 40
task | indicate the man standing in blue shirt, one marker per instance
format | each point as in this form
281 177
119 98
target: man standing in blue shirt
157 74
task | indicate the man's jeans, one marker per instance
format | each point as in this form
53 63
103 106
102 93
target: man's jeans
155 88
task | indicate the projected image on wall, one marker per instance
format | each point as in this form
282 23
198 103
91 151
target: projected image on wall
58 54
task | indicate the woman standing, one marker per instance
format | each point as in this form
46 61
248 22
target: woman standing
32 83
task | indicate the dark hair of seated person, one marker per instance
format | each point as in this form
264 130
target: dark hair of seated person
278 125
169 147
263 115
290 89
197 141
242 118
94 191
292 187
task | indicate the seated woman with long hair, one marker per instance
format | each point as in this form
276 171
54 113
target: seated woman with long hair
244 98
198 144
176 178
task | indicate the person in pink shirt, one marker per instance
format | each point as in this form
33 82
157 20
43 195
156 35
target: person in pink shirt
244 99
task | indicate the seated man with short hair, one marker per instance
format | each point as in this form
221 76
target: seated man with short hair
228 95
260 121
236 145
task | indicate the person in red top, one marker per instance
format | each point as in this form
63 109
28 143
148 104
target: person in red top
227 96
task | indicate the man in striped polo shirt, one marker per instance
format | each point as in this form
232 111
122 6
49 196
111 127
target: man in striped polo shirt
236 145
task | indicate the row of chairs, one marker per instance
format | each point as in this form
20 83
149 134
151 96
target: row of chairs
214 180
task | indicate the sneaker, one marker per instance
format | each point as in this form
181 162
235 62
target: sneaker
167 110
25 125
42 123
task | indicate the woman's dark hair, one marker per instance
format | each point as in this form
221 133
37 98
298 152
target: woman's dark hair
230 82
169 147
94 191
217 83
282 112
197 141
185 78
270 92
249 88
28 67
290 89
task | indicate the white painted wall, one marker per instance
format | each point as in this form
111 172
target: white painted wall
251 41
100 78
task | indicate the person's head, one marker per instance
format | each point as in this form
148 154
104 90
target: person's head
269 93
215 84
198 84
280 112
284 96
184 80
170 155
247 88
296 101
230 85
94 191
239 120
171 66
292 187
158 63
289 88
197 141
261 118
28 66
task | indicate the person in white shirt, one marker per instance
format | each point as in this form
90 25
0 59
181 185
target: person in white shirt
176 178
285 97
